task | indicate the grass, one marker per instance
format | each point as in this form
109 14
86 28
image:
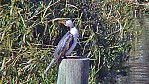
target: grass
30 31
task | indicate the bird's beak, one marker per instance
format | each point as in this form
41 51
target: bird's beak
62 22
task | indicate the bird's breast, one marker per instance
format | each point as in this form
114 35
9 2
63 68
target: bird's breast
75 33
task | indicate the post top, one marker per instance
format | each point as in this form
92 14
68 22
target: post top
75 58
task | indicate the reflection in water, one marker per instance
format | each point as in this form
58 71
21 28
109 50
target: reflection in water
139 59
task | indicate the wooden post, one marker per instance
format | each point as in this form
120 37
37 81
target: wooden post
73 70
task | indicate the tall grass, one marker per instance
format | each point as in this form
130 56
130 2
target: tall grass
30 31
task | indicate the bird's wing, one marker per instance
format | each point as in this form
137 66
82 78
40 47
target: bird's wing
64 44
62 47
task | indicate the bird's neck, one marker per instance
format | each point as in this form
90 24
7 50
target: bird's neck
74 31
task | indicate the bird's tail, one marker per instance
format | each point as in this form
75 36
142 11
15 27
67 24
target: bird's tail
51 63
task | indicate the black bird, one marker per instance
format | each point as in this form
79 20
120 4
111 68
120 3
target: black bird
66 44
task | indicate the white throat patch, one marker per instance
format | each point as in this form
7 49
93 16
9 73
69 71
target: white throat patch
74 32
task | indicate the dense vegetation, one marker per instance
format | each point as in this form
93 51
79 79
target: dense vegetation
29 33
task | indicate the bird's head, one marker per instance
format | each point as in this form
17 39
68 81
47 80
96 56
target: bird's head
67 23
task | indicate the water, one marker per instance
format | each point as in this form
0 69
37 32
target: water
139 59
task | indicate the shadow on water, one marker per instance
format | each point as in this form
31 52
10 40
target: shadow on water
139 57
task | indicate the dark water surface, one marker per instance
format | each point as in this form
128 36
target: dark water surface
139 57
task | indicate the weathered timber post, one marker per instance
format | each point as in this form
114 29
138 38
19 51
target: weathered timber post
73 70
